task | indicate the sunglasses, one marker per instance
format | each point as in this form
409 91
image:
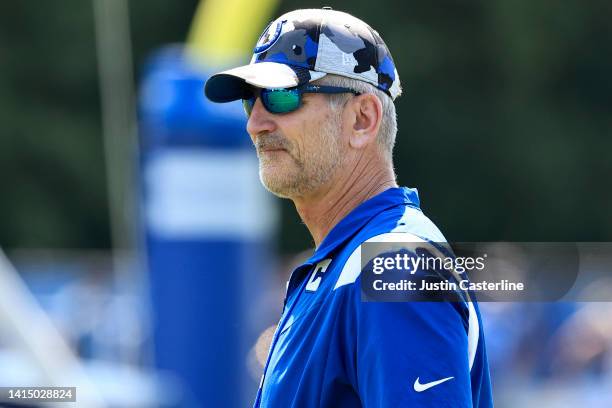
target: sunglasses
285 100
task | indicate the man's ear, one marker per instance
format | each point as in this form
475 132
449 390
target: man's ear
366 115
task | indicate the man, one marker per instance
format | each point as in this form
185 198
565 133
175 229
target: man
319 98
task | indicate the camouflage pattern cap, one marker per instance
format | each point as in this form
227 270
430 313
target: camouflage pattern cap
305 45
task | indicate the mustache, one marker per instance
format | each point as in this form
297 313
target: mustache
272 142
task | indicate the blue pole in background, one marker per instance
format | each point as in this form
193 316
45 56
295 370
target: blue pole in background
208 224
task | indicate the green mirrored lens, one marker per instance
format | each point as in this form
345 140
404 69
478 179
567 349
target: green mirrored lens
280 100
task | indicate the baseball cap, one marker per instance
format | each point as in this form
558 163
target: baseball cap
304 45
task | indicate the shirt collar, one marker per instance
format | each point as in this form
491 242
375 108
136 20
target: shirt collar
360 215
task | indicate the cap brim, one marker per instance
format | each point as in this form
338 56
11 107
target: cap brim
231 85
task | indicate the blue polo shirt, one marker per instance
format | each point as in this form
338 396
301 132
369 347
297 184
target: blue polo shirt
331 349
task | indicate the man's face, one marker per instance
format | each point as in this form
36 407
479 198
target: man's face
300 151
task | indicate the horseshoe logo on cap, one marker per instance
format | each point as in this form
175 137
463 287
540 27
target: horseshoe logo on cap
269 36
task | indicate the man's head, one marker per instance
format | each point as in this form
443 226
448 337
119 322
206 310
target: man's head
305 140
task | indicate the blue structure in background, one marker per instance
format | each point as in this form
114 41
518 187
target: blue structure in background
207 224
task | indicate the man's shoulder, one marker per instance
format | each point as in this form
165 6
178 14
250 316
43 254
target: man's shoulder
403 224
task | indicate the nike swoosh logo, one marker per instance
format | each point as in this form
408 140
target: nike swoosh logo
418 387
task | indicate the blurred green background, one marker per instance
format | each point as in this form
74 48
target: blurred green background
505 122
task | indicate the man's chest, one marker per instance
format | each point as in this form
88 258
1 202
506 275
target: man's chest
307 344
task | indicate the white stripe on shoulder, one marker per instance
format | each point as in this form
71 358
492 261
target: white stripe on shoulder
408 215
351 270
352 267
473 334
415 222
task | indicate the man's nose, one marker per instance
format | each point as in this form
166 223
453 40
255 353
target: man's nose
260 120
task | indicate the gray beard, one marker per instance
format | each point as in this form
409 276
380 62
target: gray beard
314 170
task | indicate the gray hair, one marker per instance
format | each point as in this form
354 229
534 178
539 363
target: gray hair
388 125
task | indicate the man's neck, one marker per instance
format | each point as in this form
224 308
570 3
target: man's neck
324 209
